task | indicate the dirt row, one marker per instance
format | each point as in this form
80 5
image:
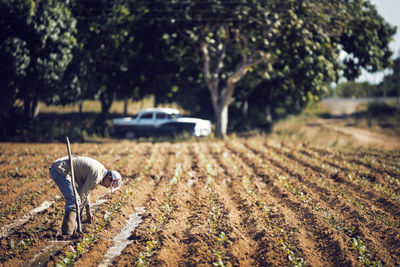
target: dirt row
239 202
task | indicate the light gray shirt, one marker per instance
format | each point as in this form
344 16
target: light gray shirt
88 173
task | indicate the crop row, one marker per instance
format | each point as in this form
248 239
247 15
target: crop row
356 173
365 171
289 248
215 212
89 240
144 257
350 175
382 162
357 202
40 175
331 220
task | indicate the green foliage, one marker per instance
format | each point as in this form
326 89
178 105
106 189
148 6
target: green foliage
356 89
364 256
264 57
366 39
390 84
35 49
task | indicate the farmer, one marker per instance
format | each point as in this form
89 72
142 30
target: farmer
88 173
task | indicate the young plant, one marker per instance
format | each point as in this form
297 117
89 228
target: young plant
88 240
143 259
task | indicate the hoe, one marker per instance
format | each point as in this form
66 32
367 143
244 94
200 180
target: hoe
78 215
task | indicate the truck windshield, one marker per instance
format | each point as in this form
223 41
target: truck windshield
173 116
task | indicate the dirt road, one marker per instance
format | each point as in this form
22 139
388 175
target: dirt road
342 107
346 106
361 137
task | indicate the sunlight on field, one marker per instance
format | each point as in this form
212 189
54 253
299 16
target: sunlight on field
317 125
239 202
95 106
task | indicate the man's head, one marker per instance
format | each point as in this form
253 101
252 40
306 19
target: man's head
112 179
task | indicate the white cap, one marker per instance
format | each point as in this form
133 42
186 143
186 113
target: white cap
116 180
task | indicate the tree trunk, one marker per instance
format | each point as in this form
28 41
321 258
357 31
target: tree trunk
268 108
221 125
220 102
31 108
156 101
245 108
35 108
222 97
106 100
268 113
126 106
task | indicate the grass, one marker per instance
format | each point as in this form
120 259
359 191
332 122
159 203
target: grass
94 106
55 122
304 127
379 117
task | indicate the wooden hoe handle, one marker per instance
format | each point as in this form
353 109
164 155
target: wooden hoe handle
78 215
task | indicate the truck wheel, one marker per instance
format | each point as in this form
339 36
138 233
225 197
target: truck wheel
130 135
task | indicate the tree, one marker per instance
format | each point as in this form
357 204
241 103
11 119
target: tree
125 51
103 60
294 44
36 45
365 36
390 85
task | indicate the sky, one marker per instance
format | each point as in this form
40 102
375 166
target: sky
389 10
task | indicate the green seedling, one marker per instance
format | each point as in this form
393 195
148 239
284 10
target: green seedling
283 241
143 258
88 240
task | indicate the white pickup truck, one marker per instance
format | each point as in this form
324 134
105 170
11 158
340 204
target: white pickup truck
159 122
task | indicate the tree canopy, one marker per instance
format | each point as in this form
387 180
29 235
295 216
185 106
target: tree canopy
36 44
257 55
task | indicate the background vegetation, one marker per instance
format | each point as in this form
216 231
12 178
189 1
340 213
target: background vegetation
250 61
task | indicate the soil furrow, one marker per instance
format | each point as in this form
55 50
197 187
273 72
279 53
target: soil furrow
184 238
235 202
221 221
31 237
372 174
16 205
358 186
251 243
321 184
349 216
308 223
345 214
158 176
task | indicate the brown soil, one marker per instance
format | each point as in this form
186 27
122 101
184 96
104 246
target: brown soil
239 202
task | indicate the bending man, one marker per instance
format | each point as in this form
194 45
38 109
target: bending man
88 174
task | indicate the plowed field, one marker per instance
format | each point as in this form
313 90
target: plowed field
239 202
